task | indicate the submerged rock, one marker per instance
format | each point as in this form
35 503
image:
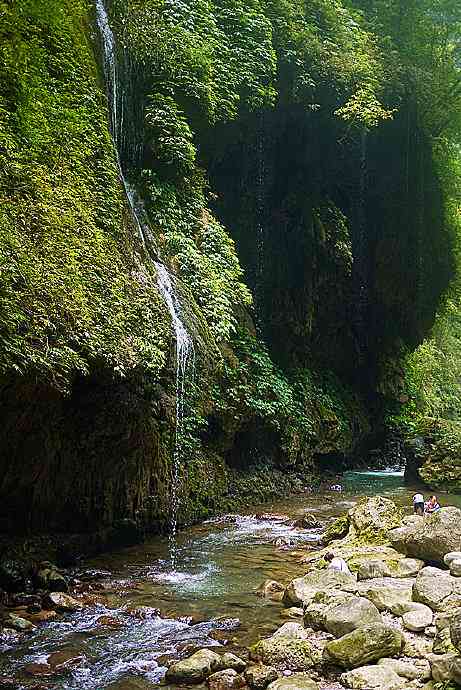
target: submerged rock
271 589
292 612
366 644
308 521
259 676
297 681
373 678
195 668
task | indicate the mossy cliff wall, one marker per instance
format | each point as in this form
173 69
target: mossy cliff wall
262 124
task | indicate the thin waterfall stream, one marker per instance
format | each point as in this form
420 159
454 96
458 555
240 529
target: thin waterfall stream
185 354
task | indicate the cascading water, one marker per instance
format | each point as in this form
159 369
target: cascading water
185 355
116 114
185 365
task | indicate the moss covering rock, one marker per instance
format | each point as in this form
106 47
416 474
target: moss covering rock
364 645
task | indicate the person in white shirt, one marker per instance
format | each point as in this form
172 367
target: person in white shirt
336 563
418 504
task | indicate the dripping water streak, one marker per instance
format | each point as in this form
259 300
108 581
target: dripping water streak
110 74
185 363
185 355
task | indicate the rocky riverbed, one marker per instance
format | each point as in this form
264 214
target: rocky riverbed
254 606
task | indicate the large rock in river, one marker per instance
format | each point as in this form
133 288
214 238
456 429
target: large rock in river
373 518
194 669
431 537
364 645
302 590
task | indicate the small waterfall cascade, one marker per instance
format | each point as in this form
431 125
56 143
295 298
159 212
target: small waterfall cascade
185 353
185 373
116 117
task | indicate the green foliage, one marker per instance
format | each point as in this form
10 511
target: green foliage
71 290
198 247
310 413
169 134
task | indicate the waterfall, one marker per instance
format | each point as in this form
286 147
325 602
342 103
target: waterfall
116 115
185 366
185 354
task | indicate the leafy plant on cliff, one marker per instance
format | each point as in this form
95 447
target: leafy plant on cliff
72 291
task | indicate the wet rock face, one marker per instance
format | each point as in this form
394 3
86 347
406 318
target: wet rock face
429 538
364 645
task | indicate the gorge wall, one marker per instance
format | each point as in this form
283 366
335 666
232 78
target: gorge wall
292 190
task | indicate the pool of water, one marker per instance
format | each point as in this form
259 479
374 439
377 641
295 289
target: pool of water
157 614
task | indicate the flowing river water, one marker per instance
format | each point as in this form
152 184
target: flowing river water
146 614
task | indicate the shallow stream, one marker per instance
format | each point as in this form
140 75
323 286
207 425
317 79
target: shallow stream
145 614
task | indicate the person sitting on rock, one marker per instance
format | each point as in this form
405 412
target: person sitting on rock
432 505
418 504
336 563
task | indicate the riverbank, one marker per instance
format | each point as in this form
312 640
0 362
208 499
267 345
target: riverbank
119 636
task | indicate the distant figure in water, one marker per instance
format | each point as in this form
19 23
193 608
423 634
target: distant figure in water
335 563
418 504
432 505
